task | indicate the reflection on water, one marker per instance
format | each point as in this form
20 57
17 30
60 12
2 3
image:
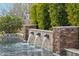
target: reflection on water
22 49
12 45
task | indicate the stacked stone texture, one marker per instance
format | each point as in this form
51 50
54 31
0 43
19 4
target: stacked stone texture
62 37
26 30
65 37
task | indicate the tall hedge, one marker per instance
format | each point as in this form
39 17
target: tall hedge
43 16
62 15
53 11
58 15
73 14
33 13
49 15
39 15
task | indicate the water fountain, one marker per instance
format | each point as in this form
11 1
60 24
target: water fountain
46 37
33 47
31 38
37 39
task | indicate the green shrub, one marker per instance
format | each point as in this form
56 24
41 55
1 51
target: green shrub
10 24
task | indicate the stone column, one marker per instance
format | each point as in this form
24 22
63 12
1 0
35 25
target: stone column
26 30
65 37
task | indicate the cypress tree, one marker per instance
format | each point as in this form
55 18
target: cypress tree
58 15
33 13
73 14
53 11
62 15
43 16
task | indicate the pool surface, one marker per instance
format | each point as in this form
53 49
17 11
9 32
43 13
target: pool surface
22 49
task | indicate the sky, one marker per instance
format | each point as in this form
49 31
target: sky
5 6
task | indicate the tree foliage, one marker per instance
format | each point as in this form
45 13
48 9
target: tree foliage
33 13
73 14
49 15
43 16
58 15
62 15
40 15
53 11
10 24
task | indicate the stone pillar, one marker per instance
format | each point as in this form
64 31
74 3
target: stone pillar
65 37
26 30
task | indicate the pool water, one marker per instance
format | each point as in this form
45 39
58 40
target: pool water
22 49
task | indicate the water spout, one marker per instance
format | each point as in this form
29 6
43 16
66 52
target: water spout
46 37
37 38
30 38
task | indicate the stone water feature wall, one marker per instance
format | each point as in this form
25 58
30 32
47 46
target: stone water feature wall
57 39
41 38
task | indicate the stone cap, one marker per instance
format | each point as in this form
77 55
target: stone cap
29 25
66 27
72 50
55 54
40 30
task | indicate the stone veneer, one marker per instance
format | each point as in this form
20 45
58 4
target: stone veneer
65 37
26 29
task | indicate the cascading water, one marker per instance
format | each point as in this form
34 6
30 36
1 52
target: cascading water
16 46
37 39
46 37
31 38
38 43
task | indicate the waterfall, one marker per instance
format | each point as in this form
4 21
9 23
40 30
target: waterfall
46 37
37 39
43 42
31 38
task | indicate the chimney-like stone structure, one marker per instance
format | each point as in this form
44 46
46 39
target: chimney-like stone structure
65 37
